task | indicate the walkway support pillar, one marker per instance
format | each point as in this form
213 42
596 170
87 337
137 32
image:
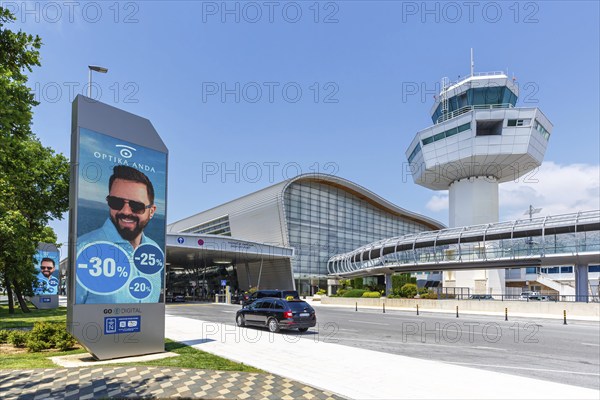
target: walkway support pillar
388 284
581 283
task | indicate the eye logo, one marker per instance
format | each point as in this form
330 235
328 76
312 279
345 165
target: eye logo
126 151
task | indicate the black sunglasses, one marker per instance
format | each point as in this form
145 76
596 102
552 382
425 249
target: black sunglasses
117 203
49 268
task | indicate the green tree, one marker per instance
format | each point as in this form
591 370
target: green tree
34 179
399 280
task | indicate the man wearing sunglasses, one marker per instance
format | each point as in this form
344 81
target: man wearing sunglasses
46 283
131 206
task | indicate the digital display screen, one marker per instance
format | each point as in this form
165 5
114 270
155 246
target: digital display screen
120 221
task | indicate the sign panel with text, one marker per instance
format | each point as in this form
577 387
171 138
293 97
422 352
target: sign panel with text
118 224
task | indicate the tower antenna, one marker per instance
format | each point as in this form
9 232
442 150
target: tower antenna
472 63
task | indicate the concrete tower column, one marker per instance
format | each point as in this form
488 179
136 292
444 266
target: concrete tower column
474 201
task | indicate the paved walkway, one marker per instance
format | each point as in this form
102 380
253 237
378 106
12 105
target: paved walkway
359 373
150 382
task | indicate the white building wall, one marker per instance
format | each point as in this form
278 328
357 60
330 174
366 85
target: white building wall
263 209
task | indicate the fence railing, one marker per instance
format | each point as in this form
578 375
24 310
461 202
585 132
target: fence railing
449 294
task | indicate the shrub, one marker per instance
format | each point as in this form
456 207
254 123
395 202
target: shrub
357 283
341 292
45 335
4 335
44 332
345 283
35 346
428 294
399 280
322 292
408 290
64 340
372 295
18 338
354 293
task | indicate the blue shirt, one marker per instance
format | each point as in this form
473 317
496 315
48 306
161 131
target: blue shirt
108 233
45 285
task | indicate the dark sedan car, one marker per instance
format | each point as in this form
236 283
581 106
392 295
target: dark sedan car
259 294
277 314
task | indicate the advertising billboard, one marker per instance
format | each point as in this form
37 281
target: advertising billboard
46 265
120 242
46 285
117 223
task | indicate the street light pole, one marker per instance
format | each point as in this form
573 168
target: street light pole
96 68
531 211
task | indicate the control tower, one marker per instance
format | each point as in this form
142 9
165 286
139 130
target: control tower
479 139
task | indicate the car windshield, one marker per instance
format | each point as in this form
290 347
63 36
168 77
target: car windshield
299 306
268 293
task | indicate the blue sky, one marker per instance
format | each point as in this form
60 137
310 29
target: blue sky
353 62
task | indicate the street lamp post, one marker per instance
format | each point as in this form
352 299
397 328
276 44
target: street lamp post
531 211
96 68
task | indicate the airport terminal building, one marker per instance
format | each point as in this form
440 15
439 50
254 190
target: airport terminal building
317 215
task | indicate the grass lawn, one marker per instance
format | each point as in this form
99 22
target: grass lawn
13 359
20 320
190 357
24 360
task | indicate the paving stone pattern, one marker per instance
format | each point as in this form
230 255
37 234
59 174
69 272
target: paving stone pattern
150 382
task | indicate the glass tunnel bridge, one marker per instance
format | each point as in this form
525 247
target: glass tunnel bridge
568 239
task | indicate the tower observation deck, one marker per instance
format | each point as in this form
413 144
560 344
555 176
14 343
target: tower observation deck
479 139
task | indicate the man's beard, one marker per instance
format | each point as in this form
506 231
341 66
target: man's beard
129 234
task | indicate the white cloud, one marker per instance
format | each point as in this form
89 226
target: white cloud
556 188
438 203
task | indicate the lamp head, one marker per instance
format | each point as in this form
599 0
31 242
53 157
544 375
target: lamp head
98 69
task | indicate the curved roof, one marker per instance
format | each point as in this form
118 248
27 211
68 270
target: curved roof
277 190
366 195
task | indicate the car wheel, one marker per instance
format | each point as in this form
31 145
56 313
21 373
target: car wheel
240 320
273 325
302 329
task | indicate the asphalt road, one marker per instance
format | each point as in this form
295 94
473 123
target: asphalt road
536 348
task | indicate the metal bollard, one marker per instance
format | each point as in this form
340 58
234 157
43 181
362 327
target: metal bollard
384 308
356 306
506 314
564 317
456 311
417 309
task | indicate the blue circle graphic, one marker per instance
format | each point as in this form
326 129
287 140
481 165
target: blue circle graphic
53 282
140 287
102 267
148 259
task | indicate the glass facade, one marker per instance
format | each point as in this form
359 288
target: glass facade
445 134
414 153
324 220
477 97
219 226
542 130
